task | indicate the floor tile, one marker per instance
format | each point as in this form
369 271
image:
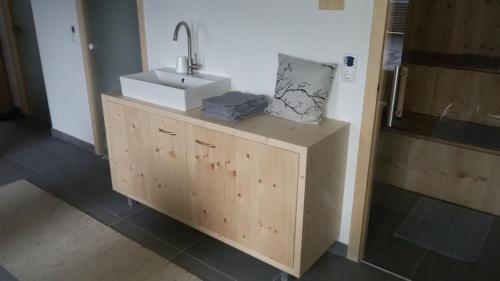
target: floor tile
92 210
79 175
50 154
491 248
17 137
393 198
339 249
331 267
173 232
74 199
231 261
11 171
46 184
200 269
5 275
145 239
104 196
391 253
384 218
438 267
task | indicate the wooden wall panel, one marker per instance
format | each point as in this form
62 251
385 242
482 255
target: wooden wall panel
459 175
454 27
427 20
474 95
420 89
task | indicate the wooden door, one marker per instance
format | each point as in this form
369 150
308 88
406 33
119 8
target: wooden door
167 188
244 191
5 97
130 144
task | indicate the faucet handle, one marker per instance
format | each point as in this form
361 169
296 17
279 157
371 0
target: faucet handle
195 66
194 63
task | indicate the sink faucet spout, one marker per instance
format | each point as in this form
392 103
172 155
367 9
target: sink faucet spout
191 64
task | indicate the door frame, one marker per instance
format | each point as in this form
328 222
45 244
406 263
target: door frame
14 52
370 127
99 141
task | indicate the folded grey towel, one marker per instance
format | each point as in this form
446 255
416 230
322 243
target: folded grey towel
235 99
234 106
234 117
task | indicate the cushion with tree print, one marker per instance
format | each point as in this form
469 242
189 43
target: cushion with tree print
302 89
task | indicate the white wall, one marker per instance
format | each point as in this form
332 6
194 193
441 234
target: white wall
241 39
63 70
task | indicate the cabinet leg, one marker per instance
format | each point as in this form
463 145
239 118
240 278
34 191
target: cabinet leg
131 202
285 277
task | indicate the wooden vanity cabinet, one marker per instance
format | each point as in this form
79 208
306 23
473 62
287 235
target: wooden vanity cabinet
266 186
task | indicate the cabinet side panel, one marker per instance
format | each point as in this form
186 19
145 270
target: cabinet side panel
326 167
119 160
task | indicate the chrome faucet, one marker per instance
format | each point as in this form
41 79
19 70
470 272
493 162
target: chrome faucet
192 66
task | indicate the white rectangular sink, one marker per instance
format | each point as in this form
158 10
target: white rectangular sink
171 89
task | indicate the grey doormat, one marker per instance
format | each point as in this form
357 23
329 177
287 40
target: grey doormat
448 229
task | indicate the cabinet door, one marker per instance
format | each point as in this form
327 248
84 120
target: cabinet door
211 179
244 191
128 134
167 186
266 199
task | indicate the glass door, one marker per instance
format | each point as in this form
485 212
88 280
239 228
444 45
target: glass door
436 198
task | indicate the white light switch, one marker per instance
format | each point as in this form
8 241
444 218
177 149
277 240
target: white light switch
349 68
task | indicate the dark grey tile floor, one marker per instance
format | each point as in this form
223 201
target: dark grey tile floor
390 205
27 151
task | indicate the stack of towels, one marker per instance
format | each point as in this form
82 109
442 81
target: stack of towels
234 106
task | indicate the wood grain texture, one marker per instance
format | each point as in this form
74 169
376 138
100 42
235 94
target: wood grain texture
454 27
130 143
236 191
331 4
240 186
465 95
455 174
92 96
323 199
167 186
266 129
370 126
142 34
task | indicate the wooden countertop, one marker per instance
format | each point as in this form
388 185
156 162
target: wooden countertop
262 128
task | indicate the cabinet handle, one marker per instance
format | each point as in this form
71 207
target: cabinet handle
166 132
205 144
